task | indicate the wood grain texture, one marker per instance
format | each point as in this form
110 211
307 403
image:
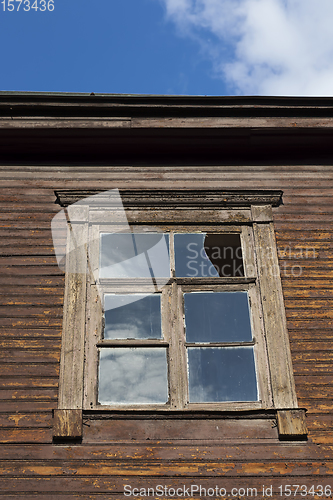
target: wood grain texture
74 318
152 452
291 424
279 356
67 424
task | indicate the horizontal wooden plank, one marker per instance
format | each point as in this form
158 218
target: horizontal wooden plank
300 235
20 382
314 391
171 469
308 303
319 422
305 264
298 216
106 430
30 343
16 311
308 224
14 369
309 313
102 168
24 225
38 260
308 291
25 355
311 334
64 123
323 380
314 283
33 280
308 346
227 122
32 322
26 420
55 496
21 405
175 450
316 406
22 271
29 332
34 205
23 234
17 242
312 368
113 487
25 435
320 437
304 356
309 323
18 295
26 216
110 173
45 394
23 251
39 193
174 180
306 271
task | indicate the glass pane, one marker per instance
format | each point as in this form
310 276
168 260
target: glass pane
191 258
133 375
135 316
208 255
221 374
134 255
225 253
217 317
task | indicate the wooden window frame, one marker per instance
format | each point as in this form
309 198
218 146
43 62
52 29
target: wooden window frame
248 212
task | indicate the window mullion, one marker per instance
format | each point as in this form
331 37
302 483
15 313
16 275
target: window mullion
177 355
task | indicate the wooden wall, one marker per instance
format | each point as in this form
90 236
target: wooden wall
147 453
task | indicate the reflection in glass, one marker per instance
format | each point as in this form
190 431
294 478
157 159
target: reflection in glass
191 258
208 255
217 317
139 319
134 255
132 375
221 374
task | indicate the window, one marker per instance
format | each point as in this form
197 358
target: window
180 308
191 339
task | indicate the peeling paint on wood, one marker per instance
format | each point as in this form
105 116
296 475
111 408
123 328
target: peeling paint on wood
114 452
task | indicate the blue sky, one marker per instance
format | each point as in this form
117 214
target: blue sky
196 47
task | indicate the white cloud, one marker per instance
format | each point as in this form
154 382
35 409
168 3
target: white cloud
278 47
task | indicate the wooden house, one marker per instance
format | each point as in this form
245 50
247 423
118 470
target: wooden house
253 170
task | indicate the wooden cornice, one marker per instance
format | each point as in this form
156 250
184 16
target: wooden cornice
175 198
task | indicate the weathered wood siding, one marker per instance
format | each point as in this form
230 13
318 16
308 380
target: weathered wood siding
146 453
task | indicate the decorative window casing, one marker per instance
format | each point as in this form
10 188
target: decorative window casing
88 351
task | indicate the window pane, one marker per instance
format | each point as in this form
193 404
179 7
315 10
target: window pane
135 316
133 375
191 258
225 253
134 255
208 255
221 374
217 317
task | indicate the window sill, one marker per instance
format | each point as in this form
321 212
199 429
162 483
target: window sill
189 424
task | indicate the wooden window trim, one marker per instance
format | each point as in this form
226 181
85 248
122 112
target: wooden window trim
226 209
172 297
